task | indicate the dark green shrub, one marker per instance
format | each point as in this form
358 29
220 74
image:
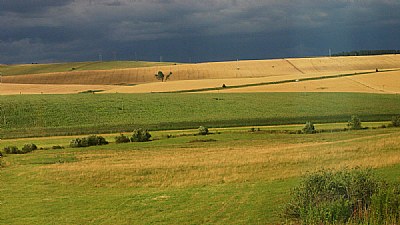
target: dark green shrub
140 135
396 121
12 150
94 140
308 128
29 148
57 147
339 197
91 140
78 143
203 130
354 123
121 139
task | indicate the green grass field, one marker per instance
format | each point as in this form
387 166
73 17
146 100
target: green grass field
48 115
240 178
9 70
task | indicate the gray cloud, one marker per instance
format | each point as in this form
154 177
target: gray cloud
59 29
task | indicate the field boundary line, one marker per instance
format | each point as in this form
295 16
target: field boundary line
277 82
298 69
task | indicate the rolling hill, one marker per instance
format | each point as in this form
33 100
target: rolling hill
140 77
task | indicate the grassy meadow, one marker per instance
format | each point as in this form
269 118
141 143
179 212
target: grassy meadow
48 115
20 69
232 176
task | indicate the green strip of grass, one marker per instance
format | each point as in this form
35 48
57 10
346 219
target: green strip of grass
48 115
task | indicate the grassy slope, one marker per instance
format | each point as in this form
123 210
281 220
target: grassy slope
231 181
79 66
36 115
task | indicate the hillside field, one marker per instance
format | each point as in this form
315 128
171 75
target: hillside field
38 115
138 77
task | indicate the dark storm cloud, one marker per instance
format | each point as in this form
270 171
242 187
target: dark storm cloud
182 29
29 6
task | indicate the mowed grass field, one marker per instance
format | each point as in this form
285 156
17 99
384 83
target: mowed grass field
47 115
240 177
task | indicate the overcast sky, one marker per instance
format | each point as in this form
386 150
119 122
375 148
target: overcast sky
192 30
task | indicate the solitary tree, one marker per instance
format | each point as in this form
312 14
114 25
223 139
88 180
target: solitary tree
160 76
354 123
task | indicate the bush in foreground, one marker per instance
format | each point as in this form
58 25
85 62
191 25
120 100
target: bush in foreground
140 135
353 197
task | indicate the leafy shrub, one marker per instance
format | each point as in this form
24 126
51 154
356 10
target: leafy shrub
396 121
308 128
57 147
91 140
94 140
12 150
203 130
78 143
29 148
339 197
140 135
354 123
122 139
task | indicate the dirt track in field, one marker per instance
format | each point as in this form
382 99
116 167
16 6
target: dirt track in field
212 75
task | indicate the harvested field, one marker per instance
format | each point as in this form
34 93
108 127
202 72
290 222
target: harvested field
236 73
14 89
388 83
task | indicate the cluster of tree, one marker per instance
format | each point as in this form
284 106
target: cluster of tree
139 135
91 140
367 52
14 149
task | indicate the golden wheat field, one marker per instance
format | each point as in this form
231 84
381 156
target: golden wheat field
215 74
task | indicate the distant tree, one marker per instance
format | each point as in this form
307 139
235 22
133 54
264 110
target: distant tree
161 76
309 128
203 130
354 123
140 135
396 121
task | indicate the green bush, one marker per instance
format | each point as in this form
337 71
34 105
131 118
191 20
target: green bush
94 140
29 148
12 150
91 140
203 130
308 128
57 147
339 197
396 121
140 135
122 139
354 123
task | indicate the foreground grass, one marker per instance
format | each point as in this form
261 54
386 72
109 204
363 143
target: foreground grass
47 115
9 70
240 178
